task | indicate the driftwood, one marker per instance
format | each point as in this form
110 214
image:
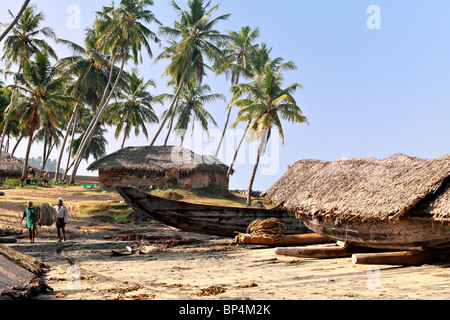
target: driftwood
318 252
288 240
27 262
402 257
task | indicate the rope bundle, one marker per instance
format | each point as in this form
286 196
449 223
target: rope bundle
271 228
46 215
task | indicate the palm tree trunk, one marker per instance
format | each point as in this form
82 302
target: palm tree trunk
123 141
61 152
230 168
70 148
171 123
44 155
252 179
226 121
16 19
17 144
27 156
172 104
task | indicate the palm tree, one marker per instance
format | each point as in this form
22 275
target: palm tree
191 108
266 103
198 42
237 51
42 97
22 44
122 34
258 60
91 69
134 110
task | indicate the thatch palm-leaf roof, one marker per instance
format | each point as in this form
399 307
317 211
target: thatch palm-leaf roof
158 159
366 188
10 165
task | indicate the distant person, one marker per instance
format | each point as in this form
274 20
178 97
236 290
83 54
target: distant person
30 174
62 216
46 178
30 214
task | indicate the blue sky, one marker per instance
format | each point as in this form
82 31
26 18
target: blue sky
367 93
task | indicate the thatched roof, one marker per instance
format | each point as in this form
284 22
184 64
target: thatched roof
158 159
366 188
10 165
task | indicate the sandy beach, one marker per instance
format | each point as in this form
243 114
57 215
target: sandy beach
184 266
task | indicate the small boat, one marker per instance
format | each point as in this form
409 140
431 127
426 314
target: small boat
205 219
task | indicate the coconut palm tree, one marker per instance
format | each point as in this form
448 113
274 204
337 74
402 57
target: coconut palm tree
16 19
90 67
197 43
266 103
134 108
191 108
123 35
237 50
258 60
42 97
23 44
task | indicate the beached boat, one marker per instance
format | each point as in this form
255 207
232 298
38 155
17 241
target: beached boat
205 219
395 203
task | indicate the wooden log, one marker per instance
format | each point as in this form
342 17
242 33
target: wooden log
8 239
408 258
288 240
318 252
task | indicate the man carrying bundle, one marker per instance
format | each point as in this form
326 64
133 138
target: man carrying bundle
30 214
61 218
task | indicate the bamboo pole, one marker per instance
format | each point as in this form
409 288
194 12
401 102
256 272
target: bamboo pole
318 252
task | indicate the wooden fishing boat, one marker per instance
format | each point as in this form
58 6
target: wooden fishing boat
395 203
205 219
405 234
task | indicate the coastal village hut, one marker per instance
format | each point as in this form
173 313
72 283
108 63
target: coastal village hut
10 167
160 167
370 200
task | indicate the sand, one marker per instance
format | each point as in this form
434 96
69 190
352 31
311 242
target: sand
83 267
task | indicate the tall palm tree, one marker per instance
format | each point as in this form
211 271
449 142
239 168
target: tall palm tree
122 34
134 108
15 20
90 67
191 108
266 103
42 97
22 44
237 51
198 42
258 60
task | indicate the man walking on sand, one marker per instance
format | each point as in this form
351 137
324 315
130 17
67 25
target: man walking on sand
30 214
61 218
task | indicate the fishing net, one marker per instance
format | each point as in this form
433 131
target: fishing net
46 215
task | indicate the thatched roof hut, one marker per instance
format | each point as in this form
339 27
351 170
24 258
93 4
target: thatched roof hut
165 166
10 166
366 188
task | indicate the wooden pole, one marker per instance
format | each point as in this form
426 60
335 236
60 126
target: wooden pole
288 240
318 252
402 257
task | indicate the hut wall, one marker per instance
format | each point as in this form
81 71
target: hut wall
169 179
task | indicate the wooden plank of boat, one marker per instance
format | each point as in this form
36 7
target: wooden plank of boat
408 258
205 219
404 234
323 252
287 240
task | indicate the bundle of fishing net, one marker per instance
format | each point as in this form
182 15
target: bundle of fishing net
46 215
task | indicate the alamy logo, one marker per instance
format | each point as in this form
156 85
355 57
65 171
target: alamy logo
374 20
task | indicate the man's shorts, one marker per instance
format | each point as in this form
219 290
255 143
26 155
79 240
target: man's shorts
60 223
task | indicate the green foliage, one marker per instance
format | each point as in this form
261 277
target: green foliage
11 182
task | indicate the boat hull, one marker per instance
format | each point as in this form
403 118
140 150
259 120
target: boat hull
205 219
407 233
